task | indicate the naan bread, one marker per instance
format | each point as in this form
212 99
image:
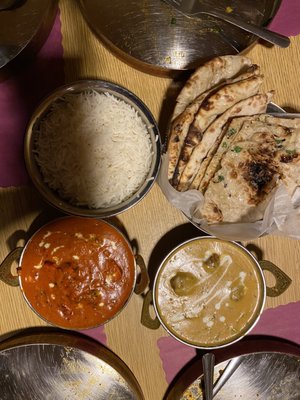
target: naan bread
293 123
211 135
263 153
178 131
212 73
225 98
238 129
288 154
212 106
240 189
222 142
182 135
286 133
216 153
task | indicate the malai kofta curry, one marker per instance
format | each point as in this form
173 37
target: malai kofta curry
77 272
209 292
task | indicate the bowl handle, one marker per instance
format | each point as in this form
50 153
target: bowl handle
146 319
144 280
282 280
5 267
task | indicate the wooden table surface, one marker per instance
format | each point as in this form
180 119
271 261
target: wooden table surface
154 224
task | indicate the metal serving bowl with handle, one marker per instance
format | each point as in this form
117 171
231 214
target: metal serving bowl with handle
83 267
164 293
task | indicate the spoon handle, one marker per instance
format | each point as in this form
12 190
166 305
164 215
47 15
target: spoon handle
269 36
208 362
228 371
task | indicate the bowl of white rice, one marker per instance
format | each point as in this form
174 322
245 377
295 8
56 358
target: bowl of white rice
92 148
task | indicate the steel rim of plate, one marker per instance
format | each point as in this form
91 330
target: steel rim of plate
34 21
151 35
255 370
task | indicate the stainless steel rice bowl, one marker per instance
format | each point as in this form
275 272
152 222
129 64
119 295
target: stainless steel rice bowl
44 110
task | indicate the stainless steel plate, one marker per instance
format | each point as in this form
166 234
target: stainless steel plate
60 366
268 376
270 370
24 28
151 35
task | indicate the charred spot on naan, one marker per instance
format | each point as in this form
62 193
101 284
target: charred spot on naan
289 157
212 212
210 102
260 173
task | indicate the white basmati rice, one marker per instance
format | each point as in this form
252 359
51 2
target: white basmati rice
93 149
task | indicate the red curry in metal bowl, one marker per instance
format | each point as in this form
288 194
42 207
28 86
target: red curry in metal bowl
77 273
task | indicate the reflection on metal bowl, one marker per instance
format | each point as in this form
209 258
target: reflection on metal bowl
88 169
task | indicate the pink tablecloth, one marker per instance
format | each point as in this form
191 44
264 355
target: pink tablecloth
287 19
281 322
97 334
19 96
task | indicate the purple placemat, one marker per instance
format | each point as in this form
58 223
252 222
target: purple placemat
287 19
282 322
97 334
19 95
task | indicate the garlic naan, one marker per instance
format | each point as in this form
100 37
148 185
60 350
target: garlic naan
288 154
264 153
212 134
216 153
240 189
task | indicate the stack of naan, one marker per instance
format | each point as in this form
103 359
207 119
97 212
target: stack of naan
222 143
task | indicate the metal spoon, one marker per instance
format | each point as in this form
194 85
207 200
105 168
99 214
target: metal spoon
227 373
193 8
208 363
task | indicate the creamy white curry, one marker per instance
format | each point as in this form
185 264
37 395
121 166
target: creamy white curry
209 292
